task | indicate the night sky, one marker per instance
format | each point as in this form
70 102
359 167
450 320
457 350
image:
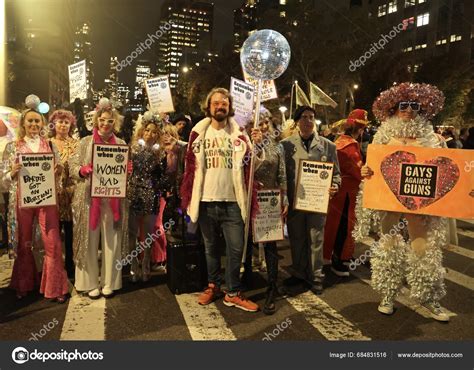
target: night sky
118 25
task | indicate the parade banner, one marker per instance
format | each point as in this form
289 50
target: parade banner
438 182
77 81
269 90
312 186
268 224
36 180
159 94
242 95
109 176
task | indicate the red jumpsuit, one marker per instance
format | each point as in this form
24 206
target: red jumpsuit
341 213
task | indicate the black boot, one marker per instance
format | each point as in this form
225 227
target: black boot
269 308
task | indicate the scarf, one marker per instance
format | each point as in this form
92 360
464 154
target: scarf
94 213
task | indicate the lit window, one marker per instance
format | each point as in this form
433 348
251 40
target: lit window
282 2
392 7
423 19
421 1
455 38
409 3
382 10
282 14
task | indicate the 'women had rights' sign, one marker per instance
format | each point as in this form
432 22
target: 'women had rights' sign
109 176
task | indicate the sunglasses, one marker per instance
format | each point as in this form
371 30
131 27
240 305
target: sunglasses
403 106
110 121
33 120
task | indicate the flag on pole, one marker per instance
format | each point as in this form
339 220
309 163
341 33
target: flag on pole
319 97
301 98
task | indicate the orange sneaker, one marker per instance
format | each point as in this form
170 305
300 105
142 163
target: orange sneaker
209 295
241 302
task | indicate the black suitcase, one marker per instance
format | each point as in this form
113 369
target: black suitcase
186 264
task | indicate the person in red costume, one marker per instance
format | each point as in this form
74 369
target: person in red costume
338 241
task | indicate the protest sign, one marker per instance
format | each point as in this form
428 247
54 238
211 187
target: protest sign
268 224
109 176
243 102
159 94
77 81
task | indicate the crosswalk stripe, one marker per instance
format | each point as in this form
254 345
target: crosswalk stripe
460 250
460 279
468 233
85 319
403 298
203 322
324 318
468 221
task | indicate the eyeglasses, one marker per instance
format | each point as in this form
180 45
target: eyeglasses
403 106
110 121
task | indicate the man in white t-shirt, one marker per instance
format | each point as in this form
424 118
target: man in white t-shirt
214 193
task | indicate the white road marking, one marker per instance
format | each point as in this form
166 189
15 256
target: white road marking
460 279
85 319
324 318
203 322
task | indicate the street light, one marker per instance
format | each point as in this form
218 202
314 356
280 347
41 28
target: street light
185 69
355 86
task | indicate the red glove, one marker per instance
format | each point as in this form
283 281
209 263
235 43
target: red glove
86 170
130 167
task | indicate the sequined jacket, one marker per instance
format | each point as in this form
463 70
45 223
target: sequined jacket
148 180
272 172
67 185
82 200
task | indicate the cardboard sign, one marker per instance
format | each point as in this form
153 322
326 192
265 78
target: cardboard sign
243 99
438 182
268 224
312 186
269 90
36 180
159 94
109 176
77 81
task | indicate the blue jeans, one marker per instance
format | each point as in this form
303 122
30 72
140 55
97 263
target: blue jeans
216 218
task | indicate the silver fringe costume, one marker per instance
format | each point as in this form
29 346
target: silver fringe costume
393 259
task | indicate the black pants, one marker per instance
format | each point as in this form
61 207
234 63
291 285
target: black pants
69 263
271 258
342 231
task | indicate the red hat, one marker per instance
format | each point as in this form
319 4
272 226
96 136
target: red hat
358 117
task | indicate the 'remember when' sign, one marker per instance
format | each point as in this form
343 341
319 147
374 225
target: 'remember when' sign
109 176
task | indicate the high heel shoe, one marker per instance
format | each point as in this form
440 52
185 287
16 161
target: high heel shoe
61 299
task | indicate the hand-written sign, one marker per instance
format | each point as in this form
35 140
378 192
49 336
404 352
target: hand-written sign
159 94
109 176
268 224
77 81
36 180
269 90
242 94
312 186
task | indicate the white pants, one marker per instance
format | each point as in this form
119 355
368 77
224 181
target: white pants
87 279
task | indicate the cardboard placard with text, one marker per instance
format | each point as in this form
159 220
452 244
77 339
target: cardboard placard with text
268 224
36 180
429 181
109 176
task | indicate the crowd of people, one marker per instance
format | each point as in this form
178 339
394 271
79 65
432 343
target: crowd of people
203 171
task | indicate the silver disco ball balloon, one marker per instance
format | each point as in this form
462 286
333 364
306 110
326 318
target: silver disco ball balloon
265 55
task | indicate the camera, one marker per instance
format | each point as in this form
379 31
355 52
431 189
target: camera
21 355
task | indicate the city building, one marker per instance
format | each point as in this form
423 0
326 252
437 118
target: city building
39 49
188 41
83 51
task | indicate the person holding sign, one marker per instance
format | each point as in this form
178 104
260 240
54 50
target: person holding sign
405 111
146 184
306 228
22 220
214 193
338 241
62 123
270 175
97 220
